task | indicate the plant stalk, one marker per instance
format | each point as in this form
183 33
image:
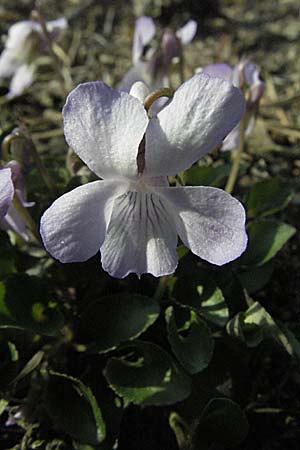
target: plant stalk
237 157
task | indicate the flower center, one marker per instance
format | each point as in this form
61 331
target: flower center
149 100
162 92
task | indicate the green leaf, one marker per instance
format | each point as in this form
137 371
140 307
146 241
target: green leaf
32 364
256 323
214 308
255 278
117 318
266 238
207 175
222 425
267 197
3 405
25 302
146 374
257 315
199 290
192 343
74 409
250 333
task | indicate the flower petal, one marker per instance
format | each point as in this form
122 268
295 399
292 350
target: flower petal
220 70
187 33
201 113
136 73
139 90
13 221
6 191
209 221
232 139
21 80
141 237
18 34
105 127
73 228
252 76
56 27
8 63
18 182
144 31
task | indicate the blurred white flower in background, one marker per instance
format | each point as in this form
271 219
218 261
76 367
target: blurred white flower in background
12 183
24 43
151 64
246 76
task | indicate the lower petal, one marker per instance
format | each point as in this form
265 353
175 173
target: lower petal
141 237
6 191
209 221
231 141
8 63
21 80
73 228
13 221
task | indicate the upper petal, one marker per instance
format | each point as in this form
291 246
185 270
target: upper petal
187 33
19 32
141 237
20 40
55 27
6 191
209 221
105 127
136 73
139 90
252 76
143 33
199 116
73 228
220 70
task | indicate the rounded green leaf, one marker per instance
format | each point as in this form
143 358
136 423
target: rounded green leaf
25 302
191 343
117 318
267 197
207 175
249 333
74 409
255 278
266 238
200 291
222 425
146 374
256 315
214 308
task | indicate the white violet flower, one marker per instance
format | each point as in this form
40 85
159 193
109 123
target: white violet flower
25 41
245 74
12 183
133 216
151 64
